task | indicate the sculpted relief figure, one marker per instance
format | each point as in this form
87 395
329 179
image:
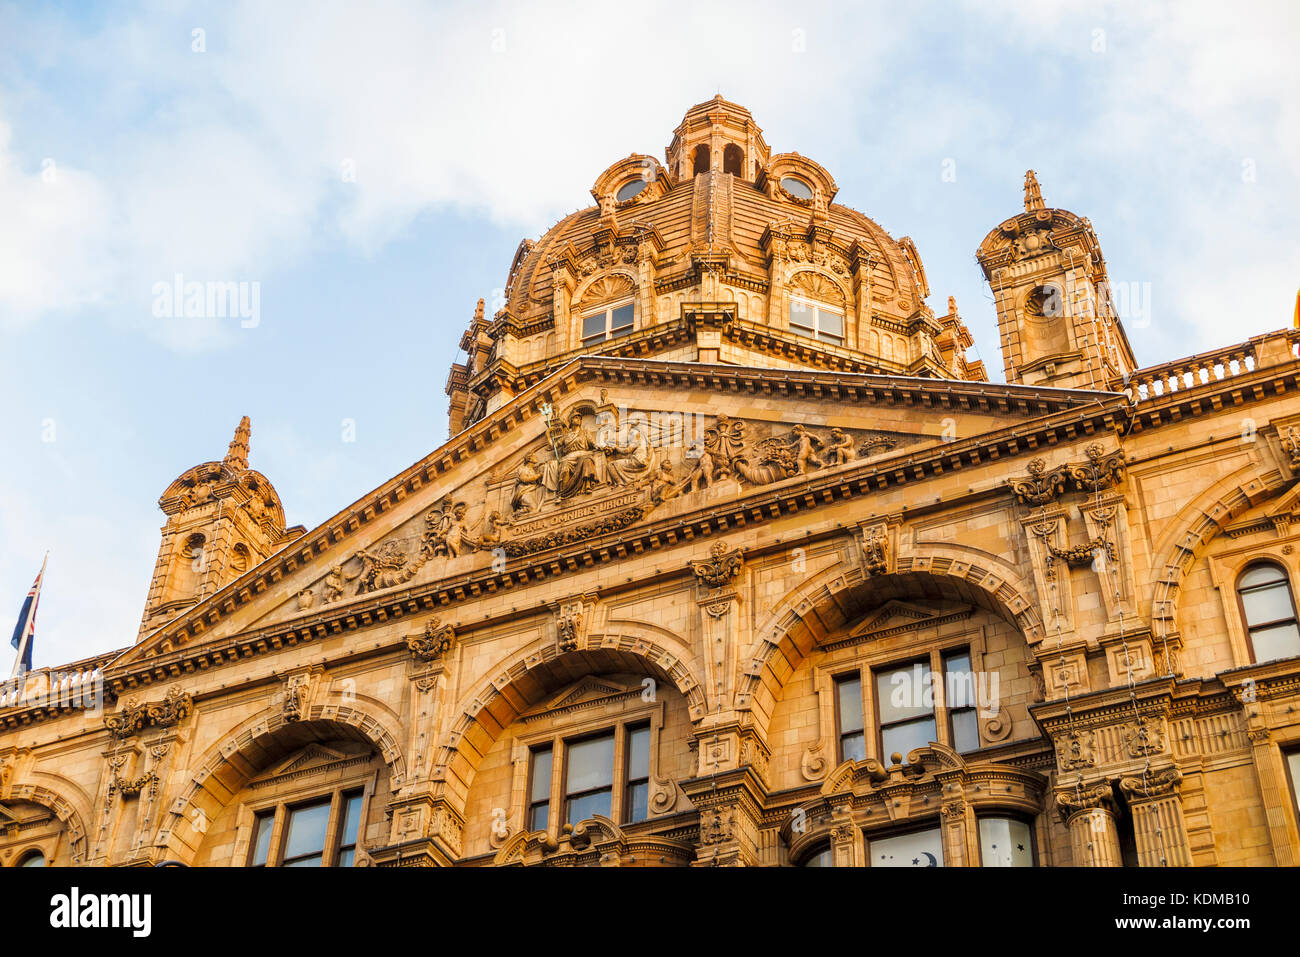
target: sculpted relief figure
582 463
841 448
381 569
726 453
631 462
529 492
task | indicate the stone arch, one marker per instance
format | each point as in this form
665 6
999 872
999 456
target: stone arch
63 809
1199 523
226 765
490 705
825 601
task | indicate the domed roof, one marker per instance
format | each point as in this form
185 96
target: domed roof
229 479
689 211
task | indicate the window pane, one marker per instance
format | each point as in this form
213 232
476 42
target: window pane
630 189
1273 643
907 737
307 827
598 802
830 322
346 857
314 860
1293 765
638 754
801 314
621 318
591 764
1271 603
351 819
850 698
1005 842
796 187
1260 575
853 747
34 859
593 325
261 838
965 731
541 786
960 683
638 796
539 817
918 849
823 858
833 340
904 693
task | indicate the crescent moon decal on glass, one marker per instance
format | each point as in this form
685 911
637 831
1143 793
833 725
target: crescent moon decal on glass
934 861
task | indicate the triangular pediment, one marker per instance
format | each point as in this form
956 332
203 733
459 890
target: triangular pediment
309 758
601 449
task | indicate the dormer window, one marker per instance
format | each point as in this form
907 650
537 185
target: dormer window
817 321
608 323
629 189
796 187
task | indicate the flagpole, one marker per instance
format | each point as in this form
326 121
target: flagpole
27 622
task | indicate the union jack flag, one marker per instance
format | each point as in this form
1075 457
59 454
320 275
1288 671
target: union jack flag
25 630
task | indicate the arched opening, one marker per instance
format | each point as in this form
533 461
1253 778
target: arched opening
702 158
32 859
1268 612
311 794
733 160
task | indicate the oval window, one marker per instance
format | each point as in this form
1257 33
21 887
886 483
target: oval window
796 188
629 189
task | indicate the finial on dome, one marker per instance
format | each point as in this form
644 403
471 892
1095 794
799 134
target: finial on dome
237 456
1033 195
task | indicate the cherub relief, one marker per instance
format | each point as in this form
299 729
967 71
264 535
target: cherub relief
841 447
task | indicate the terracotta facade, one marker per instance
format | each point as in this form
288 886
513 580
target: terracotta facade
725 516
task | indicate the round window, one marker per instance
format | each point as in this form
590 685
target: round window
629 189
796 187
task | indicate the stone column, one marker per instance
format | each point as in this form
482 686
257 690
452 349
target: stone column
1089 813
1158 825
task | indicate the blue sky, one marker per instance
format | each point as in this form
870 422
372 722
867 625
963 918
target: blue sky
127 156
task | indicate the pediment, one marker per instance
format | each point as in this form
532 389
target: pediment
588 690
600 448
896 617
310 758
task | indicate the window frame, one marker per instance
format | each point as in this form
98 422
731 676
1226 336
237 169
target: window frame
617 736
1247 628
609 334
560 737
281 807
994 814
817 307
866 668
904 828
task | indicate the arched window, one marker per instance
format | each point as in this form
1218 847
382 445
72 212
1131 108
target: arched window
822 857
733 160
701 159
32 859
1268 609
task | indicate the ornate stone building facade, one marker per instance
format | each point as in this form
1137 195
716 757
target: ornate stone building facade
733 558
